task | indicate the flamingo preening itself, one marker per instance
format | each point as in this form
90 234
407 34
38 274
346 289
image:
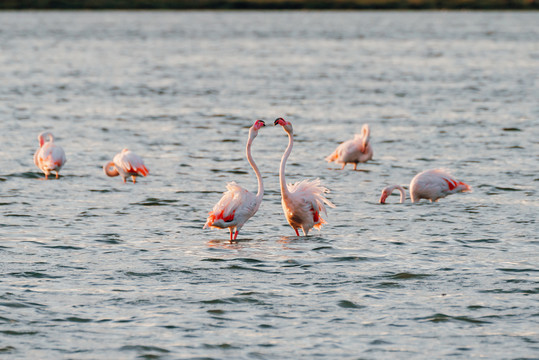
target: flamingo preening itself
126 163
238 204
356 150
304 201
431 184
49 157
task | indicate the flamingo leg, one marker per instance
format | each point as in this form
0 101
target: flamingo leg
46 176
343 165
134 178
57 175
236 234
230 229
355 166
297 233
124 180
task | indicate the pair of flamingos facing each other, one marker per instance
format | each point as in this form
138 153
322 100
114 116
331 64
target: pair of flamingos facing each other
51 157
304 202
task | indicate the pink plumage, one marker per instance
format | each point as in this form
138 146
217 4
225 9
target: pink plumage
126 163
431 184
237 205
49 157
356 150
304 202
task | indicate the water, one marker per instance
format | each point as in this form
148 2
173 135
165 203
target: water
94 268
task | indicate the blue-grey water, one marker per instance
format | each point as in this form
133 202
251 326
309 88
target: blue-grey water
96 269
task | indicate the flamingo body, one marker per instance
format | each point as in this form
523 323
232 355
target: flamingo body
304 202
126 163
234 209
49 157
237 205
304 205
356 150
431 184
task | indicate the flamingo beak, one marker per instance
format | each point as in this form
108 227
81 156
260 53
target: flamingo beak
383 198
466 186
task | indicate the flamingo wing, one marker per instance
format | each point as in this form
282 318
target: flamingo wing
342 153
36 157
310 201
130 163
234 208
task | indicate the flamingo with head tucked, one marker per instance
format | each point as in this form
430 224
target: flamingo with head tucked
431 184
303 202
238 204
49 157
126 163
356 150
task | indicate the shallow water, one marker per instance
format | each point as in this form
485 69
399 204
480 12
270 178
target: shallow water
94 268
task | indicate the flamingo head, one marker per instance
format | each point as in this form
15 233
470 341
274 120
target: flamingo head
287 126
43 136
388 190
462 186
253 131
385 193
258 124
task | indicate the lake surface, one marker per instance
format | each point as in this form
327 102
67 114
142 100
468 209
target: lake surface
93 268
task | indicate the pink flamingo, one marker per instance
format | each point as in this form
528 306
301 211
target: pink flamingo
356 150
431 184
49 157
126 163
238 204
303 201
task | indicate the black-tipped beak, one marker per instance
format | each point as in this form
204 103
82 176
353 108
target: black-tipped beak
263 123
275 122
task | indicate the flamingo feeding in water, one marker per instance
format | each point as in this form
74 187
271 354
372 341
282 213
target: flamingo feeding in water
356 150
49 157
126 163
303 201
238 204
431 184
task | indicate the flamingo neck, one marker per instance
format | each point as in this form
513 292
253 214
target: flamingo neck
389 190
401 190
284 188
251 161
110 169
366 134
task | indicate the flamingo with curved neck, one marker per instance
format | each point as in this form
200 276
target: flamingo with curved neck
356 150
431 184
49 157
303 202
237 205
126 163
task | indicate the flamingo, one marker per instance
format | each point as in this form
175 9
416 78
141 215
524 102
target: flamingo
237 205
303 201
431 184
126 163
356 150
49 157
